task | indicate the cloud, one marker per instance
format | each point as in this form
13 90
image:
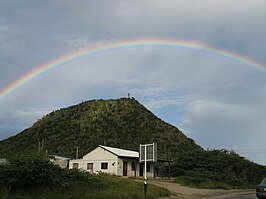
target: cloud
215 100
161 103
217 124
13 120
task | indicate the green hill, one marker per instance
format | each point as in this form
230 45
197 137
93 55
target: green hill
125 123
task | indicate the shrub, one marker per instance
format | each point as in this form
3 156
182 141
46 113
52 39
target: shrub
37 172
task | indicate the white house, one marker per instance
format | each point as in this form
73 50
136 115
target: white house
111 160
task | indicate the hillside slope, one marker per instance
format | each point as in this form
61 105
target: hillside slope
123 123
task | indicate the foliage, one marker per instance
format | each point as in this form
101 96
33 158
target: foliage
217 169
36 177
29 172
201 182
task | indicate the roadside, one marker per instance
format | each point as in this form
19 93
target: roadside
181 192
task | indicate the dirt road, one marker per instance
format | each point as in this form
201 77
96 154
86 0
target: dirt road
181 192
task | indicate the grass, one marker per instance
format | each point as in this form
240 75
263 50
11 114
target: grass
112 187
205 183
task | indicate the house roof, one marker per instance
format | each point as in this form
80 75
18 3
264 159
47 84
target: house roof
54 156
121 152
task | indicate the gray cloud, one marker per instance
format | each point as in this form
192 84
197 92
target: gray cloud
218 102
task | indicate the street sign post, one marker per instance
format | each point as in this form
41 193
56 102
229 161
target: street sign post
147 153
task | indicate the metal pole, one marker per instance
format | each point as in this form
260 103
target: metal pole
154 170
162 170
145 162
169 170
135 163
145 171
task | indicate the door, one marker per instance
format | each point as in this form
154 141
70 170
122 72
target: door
124 168
141 169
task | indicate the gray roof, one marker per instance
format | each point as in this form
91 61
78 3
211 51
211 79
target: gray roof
121 152
60 157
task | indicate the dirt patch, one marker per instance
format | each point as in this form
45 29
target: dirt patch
181 192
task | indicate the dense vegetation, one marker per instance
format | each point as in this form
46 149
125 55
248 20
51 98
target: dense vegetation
217 169
125 123
36 177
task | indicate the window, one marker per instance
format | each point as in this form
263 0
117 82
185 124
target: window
75 165
89 166
104 165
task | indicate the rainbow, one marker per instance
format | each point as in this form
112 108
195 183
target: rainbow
136 43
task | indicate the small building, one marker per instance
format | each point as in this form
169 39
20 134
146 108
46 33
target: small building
3 161
62 161
112 160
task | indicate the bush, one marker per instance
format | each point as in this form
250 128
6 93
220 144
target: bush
28 172
202 183
34 172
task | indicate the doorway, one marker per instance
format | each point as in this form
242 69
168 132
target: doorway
124 168
141 169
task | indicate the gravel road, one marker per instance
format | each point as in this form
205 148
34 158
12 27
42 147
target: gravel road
181 192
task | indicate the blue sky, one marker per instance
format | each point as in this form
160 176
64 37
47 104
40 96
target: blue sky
216 101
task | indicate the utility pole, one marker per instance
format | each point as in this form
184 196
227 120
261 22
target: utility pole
77 152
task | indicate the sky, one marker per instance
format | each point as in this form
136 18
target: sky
217 100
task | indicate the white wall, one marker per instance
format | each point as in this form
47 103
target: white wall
97 157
